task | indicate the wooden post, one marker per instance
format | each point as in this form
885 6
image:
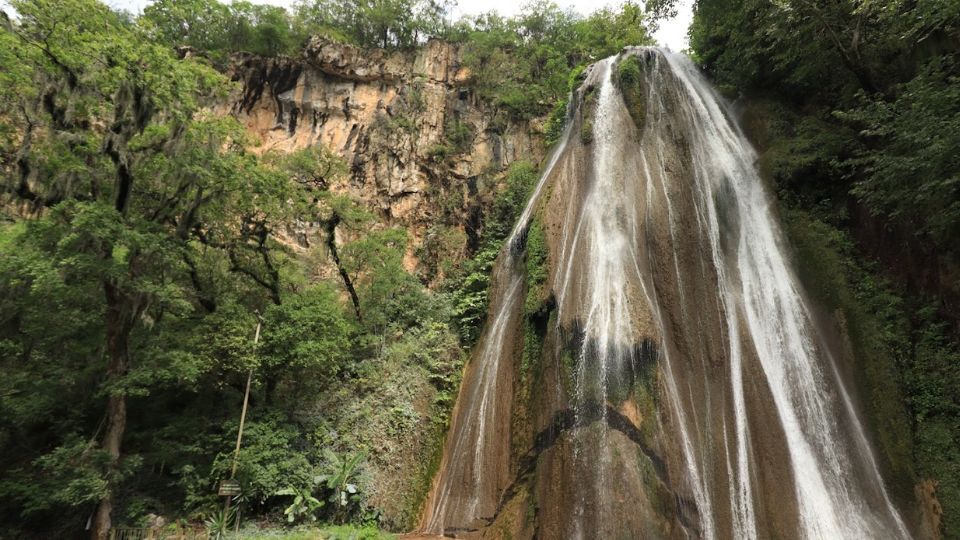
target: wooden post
243 419
243 412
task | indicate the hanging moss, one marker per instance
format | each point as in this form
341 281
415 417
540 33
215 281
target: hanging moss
537 306
636 376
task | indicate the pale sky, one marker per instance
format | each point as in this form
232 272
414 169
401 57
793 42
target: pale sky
672 33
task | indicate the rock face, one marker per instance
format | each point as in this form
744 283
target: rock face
409 126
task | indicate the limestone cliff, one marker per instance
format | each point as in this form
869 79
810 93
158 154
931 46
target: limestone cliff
418 142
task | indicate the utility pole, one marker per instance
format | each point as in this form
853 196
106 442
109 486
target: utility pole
230 492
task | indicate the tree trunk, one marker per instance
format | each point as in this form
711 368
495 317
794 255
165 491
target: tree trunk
331 227
121 314
132 112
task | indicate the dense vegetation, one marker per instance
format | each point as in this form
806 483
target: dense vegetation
218 29
142 244
147 273
856 109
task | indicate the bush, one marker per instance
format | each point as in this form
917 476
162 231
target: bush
306 337
274 456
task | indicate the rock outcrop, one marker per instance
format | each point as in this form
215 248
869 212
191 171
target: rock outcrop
408 124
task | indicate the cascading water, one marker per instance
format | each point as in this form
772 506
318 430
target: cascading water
683 386
476 461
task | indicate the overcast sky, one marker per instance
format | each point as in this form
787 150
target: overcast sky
672 33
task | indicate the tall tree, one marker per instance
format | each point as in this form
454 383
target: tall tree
133 181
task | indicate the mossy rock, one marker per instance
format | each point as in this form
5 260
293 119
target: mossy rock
586 132
568 370
588 108
576 78
537 271
629 78
636 377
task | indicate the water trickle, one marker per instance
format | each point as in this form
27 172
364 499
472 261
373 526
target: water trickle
685 389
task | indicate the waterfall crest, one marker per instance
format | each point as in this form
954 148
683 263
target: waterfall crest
681 385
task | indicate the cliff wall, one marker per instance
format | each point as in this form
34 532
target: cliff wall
421 148
422 152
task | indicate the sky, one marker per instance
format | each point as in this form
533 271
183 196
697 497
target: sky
672 33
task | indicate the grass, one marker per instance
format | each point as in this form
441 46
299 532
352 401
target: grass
330 532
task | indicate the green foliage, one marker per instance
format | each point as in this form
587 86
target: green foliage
304 505
315 168
218 29
343 532
379 23
873 319
911 154
629 78
338 486
220 523
509 203
537 269
440 152
523 63
149 211
894 81
900 350
459 134
470 289
307 337
271 459
801 156
390 297
556 123
629 71
339 481
337 532
457 138
442 246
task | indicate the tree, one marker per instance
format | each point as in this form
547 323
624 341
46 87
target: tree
377 23
307 338
523 63
132 207
202 24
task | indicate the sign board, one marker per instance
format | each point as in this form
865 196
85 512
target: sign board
229 488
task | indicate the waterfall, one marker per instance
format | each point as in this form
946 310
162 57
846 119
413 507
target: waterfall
686 387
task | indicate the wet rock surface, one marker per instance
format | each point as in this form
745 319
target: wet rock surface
682 386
